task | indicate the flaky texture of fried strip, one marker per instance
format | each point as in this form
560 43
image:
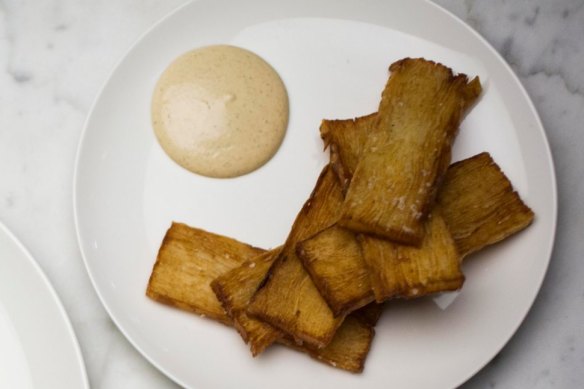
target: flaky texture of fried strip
407 151
334 260
377 269
479 204
407 271
188 260
477 200
289 300
348 349
235 289
346 139
183 283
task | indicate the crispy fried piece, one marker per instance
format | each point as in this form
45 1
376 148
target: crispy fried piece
408 271
335 263
349 346
477 199
407 151
479 204
347 350
289 300
188 260
350 273
346 139
235 289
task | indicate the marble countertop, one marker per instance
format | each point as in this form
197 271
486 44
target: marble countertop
56 54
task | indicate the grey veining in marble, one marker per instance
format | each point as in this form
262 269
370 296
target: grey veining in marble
54 56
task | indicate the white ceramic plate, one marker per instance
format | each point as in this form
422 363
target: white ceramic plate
333 57
38 348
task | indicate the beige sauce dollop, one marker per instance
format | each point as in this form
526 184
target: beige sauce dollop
220 111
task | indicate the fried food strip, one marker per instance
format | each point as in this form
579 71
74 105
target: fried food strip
289 300
188 260
347 350
477 201
185 276
407 151
346 139
479 204
335 263
235 289
408 271
351 271
349 346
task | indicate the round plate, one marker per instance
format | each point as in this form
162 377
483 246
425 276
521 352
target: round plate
33 325
333 57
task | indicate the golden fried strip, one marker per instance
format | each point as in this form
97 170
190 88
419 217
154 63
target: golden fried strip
477 201
377 269
179 280
188 260
289 300
349 346
347 350
335 263
235 289
346 139
407 151
407 271
479 204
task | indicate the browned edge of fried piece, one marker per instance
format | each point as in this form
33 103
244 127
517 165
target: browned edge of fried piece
335 263
479 204
186 250
187 261
347 350
369 314
408 271
345 139
235 289
408 150
289 300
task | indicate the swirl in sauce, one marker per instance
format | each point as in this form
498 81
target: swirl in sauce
220 111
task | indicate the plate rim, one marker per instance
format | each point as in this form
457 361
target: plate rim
540 128
552 175
78 153
48 286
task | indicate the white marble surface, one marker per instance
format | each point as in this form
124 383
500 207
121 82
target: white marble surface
54 56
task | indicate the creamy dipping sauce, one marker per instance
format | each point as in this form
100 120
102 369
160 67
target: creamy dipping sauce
220 111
